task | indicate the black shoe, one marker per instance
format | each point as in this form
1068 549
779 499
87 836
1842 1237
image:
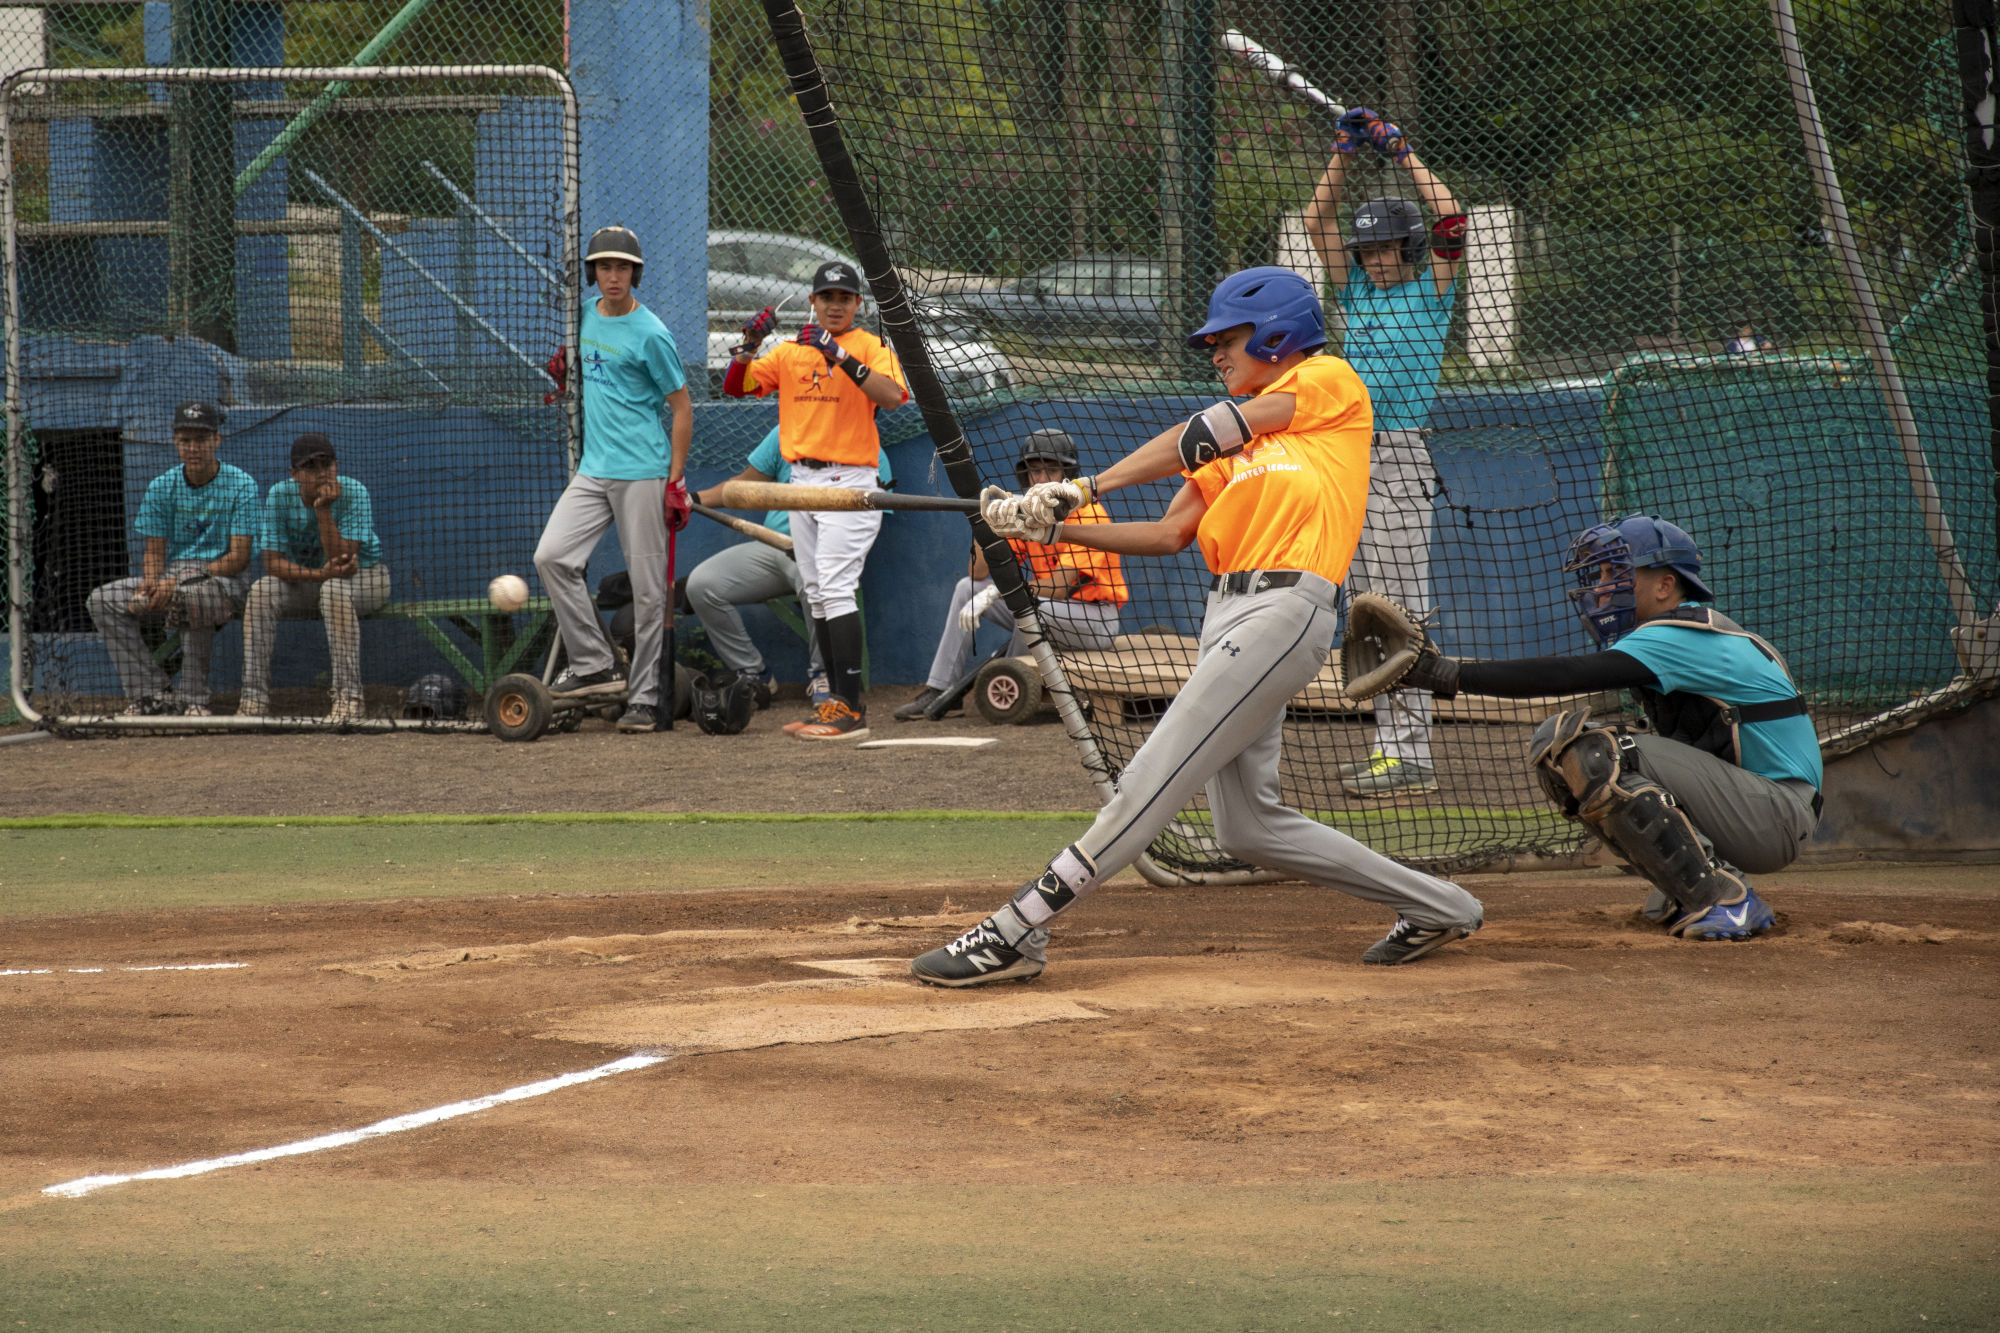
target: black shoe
1407 941
638 717
914 709
978 956
569 685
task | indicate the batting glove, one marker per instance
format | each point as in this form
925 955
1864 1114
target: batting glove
1387 139
558 369
1053 501
1352 129
817 338
973 611
759 327
1004 513
679 506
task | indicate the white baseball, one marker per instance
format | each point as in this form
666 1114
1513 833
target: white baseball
509 592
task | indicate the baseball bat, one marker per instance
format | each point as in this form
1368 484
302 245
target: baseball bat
1275 69
784 495
754 531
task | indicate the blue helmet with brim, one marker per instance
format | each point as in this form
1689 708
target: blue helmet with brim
1281 308
1604 559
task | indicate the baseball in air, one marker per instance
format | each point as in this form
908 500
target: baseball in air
509 592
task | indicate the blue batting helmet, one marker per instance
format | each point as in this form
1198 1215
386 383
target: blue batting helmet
1281 308
1604 559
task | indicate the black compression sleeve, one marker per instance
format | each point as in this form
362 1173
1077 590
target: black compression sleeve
1529 677
855 370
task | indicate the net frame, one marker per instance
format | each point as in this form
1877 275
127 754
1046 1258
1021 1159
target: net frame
19 508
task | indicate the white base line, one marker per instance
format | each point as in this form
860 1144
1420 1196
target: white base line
155 967
76 1189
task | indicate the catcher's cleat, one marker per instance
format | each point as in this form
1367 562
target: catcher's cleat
1407 941
1359 768
1731 921
914 709
638 717
1660 909
1390 777
571 685
835 721
979 956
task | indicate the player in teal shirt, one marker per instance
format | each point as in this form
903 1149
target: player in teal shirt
1397 301
198 522
1726 777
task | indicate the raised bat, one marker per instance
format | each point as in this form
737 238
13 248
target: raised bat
784 495
754 531
1274 68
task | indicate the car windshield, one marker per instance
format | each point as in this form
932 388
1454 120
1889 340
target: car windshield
1075 277
771 259
1141 277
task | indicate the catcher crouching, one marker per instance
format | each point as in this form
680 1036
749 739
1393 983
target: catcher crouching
1726 780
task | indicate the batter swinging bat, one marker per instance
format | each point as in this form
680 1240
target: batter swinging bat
1277 71
754 531
783 495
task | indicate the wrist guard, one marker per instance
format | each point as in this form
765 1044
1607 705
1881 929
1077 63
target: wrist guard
1212 433
854 370
1448 236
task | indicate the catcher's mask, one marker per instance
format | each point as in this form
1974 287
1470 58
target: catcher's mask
724 711
435 698
1604 559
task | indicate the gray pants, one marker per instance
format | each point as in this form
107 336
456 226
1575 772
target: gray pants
1394 559
198 610
340 603
1748 820
741 575
1071 626
1224 731
588 506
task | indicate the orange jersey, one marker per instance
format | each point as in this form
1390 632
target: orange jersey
1294 499
822 413
1099 578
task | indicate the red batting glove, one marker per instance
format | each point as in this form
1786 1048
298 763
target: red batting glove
679 505
817 338
558 369
759 327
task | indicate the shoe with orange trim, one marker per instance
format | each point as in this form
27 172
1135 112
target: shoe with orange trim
835 721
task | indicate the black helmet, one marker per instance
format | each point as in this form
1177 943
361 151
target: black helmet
1047 446
726 710
1383 221
435 698
613 242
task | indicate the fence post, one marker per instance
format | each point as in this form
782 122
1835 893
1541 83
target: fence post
352 328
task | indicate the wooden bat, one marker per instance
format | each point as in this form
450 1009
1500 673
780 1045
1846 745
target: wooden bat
777 495
754 531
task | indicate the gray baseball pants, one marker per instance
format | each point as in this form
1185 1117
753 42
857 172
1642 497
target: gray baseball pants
202 609
588 506
741 575
340 603
1750 821
1394 559
1071 626
1224 732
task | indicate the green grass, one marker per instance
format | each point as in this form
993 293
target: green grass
211 863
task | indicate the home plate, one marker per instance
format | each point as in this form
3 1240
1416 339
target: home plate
935 743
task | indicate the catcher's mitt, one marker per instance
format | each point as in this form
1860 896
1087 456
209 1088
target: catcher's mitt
1383 646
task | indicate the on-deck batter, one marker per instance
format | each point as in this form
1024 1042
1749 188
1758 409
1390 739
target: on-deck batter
1275 495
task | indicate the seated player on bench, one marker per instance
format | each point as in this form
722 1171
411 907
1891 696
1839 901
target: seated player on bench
1080 589
322 561
751 573
1727 778
198 521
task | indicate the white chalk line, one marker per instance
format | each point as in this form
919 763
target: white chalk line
76 1189
154 967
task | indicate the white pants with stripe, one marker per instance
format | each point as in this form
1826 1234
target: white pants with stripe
832 545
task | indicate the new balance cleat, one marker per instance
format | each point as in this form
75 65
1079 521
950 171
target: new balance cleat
979 956
1732 921
1390 777
1407 941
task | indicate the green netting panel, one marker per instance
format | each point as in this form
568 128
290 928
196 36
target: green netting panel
1649 315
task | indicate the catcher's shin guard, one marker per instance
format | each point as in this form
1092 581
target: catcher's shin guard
1587 772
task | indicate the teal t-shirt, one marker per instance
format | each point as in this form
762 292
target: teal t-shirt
630 365
1395 342
197 521
1730 668
768 459
292 530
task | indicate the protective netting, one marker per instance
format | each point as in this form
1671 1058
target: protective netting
1650 316
386 262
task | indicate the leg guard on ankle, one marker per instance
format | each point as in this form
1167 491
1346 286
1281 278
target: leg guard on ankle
1069 877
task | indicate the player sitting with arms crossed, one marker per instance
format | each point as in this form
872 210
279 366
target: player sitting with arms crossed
1080 589
629 474
1728 778
830 383
199 521
752 573
1398 310
1275 493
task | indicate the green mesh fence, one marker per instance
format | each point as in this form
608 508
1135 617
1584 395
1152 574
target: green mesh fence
1650 315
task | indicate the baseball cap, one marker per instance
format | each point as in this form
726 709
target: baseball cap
1654 543
197 415
837 275
310 446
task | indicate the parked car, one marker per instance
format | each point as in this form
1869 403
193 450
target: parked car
1102 300
748 270
970 366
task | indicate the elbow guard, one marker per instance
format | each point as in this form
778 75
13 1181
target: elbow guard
732 381
1212 433
1448 236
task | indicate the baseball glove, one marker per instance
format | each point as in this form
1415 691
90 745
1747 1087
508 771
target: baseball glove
1385 648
